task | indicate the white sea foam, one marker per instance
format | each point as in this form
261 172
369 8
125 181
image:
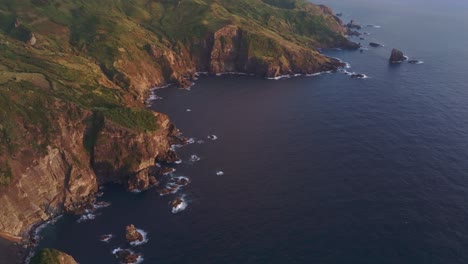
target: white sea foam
279 77
169 172
201 73
145 238
180 207
219 173
190 141
106 238
318 73
86 217
194 158
212 137
101 204
200 141
115 250
364 77
373 26
178 161
139 258
188 110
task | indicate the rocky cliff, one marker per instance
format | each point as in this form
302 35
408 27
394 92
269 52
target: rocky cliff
65 175
74 74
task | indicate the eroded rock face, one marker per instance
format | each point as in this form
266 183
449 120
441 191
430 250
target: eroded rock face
50 183
121 152
132 235
141 181
397 56
226 50
62 179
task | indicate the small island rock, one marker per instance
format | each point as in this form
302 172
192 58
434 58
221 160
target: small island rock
397 56
126 256
132 235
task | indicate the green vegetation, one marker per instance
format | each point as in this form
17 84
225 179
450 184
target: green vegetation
91 57
133 118
47 256
5 174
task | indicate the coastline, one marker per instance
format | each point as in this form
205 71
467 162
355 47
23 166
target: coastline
27 246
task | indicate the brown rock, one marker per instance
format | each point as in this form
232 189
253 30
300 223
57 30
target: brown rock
153 181
397 56
132 235
126 256
140 181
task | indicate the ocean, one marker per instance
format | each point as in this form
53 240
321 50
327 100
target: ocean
324 169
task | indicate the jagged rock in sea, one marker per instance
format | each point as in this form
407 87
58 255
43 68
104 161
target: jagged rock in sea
397 56
353 25
358 76
132 234
126 256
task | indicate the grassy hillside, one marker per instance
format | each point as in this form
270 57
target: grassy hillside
59 55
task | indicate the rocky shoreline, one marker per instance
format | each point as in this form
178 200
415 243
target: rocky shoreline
93 131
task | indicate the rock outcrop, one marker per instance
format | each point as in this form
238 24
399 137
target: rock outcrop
132 235
397 56
52 256
141 181
353 25
66 179
126 256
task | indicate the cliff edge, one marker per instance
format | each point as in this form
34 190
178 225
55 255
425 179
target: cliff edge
74 75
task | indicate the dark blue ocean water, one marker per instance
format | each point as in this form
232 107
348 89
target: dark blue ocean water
323 169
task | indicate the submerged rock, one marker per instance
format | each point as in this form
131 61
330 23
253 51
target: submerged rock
415 62
178 205
132 235
397 56
375 45
358 76
181 181
126 256
106 237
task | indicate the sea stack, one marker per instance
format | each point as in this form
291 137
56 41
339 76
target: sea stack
397 56
132 235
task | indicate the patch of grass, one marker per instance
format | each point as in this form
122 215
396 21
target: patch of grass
5 174
133 118
46 256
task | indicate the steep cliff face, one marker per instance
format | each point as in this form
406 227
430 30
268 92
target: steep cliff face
120 153
47 181
65 177
73 78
